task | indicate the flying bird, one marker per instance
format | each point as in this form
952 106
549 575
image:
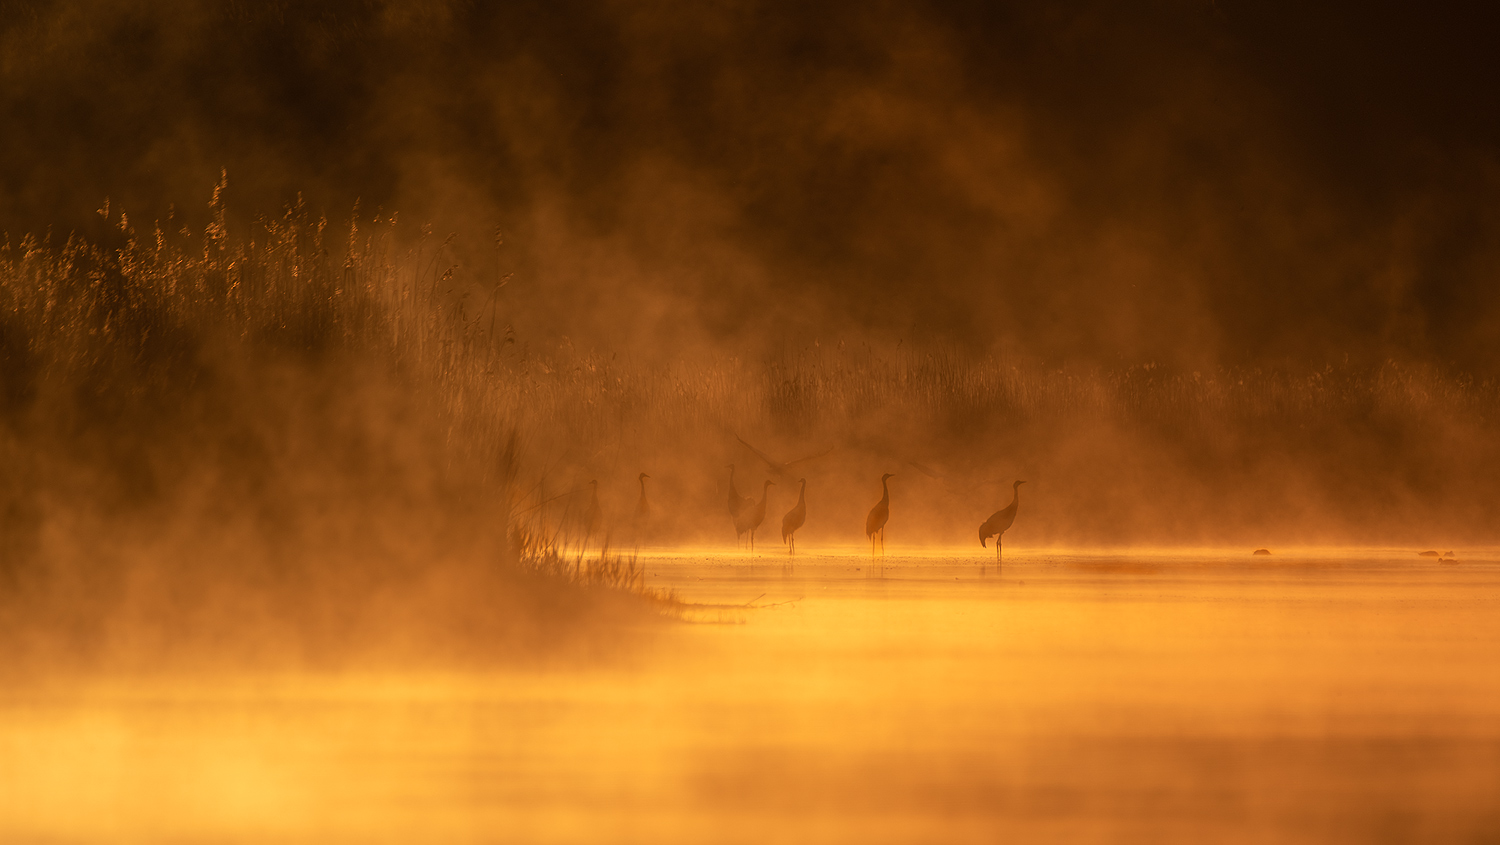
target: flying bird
955 483
781 470
875 522
927 471
795 517
752 515
1000 520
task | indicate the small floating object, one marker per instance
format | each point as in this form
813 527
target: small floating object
1428 553
1261 551
1448 559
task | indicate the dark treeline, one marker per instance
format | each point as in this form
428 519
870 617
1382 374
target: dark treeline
1195 183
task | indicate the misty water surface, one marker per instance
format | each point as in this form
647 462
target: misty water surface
1342 697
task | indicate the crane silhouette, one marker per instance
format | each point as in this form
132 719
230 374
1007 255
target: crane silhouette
1000 520
737 503
643 507
642 520
752 515
875 522
795 517
779 469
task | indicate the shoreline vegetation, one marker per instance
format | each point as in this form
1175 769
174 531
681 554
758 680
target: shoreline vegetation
312 437
278 447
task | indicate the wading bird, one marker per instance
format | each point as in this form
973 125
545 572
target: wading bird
642 521
875 522
737 502
781 470
643 507
999 521
752 515
795 517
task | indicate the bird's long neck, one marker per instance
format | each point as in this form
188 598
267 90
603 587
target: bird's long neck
643 488
1015 496
802 493
763 491
885 492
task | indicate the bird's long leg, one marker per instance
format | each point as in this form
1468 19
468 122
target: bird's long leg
882 551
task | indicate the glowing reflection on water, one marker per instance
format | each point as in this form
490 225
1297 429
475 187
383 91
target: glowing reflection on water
1075 697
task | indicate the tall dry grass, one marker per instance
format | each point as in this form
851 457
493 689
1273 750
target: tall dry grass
334 402
287 437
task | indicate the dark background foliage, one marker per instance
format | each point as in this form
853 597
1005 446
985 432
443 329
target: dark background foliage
1186 181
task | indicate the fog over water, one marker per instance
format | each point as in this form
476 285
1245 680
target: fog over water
1196 697
378 379
1200 273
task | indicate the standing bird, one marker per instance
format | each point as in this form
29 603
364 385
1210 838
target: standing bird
999 521
737 503
875 522
643 507
795 517
642 519
752 515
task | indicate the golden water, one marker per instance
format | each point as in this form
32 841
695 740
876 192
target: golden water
1189 698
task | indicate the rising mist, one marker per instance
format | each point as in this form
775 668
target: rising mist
1199 272
1190 183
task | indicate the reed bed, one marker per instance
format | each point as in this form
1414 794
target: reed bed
112 347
